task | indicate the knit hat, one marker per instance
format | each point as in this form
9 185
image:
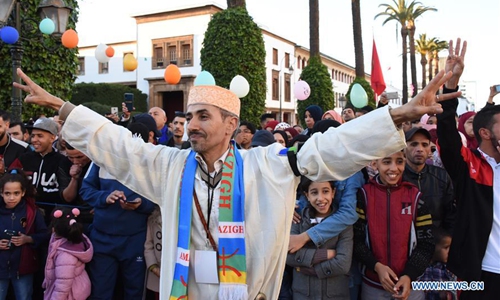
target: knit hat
45 124
262 138
282 126
148 121
271 124
216 96
315 111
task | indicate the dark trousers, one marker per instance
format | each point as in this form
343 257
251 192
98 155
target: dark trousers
115 258
491 288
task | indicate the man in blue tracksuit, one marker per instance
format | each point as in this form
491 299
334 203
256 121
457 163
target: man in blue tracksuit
117 233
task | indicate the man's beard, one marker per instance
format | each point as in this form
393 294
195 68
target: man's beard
494 141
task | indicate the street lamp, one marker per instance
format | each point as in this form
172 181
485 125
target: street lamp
342 102
290 72
56 10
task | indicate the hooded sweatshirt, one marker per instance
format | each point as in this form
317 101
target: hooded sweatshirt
65 275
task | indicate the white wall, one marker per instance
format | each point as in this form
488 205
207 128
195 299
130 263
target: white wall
115 72
283 47
196 26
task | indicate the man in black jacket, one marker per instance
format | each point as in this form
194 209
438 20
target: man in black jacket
433 182
10 148
475 249
44 166
178 132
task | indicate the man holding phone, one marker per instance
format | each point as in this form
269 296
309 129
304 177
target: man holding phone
119 226
494 90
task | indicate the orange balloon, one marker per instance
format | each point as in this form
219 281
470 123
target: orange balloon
69 39
172 74
129 62
110 52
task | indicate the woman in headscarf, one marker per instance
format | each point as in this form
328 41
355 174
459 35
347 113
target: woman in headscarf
465 127
331 114
312 115
291 133
280 137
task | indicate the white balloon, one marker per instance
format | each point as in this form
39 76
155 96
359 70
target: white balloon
100 53
240 86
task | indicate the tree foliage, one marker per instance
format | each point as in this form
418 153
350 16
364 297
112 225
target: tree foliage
54 69
106 95
405 13
368 89
234 45
317 76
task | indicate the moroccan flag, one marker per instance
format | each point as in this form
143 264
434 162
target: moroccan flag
377 79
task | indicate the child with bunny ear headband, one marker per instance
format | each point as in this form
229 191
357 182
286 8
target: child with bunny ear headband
69 250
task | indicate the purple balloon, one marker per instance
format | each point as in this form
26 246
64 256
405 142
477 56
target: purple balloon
9 35
301 90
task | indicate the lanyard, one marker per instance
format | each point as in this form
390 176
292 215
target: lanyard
204 222
211 182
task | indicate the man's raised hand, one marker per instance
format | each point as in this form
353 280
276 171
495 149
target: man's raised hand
36 94
455 62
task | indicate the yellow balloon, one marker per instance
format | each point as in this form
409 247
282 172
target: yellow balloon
129 62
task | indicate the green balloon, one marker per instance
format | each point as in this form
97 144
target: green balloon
47 26
358 96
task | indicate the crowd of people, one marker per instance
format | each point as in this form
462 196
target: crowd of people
357 205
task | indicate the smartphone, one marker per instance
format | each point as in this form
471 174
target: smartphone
128 98
392 95
114 110
497 87
10 232
132 201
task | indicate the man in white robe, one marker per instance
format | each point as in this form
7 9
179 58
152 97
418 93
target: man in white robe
269 181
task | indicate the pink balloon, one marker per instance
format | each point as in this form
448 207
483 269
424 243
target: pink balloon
301 90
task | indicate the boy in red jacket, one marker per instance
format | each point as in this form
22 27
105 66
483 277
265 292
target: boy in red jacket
393 235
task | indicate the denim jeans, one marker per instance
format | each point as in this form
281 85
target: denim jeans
23 287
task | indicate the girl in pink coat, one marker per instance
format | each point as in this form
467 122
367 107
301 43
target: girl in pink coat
69 251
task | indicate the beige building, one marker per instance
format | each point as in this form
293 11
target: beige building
177 36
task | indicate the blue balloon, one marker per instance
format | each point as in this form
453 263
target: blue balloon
47 26
204 78
9 35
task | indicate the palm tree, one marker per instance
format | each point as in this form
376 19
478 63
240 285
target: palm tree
314 27
415 10
435 49
358 39
424 48
405 15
